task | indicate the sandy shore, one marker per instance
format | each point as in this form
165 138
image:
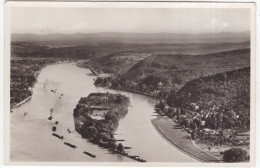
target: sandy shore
179 138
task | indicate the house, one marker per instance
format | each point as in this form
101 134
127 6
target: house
209 131
155 92
160 84
194 106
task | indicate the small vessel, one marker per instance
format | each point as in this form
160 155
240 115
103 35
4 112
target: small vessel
137 158
54 129
94 72
50 118
51 111
58 136
89 154
70 145
120 139
127 147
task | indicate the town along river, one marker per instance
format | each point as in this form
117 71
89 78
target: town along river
31 138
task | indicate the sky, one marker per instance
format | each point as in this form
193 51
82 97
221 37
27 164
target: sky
40 20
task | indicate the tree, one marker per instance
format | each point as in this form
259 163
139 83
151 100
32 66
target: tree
111 116
118 99
178 114
194 126
194 135
160 105
235 155
214 121
186 122
219 119
198 122
170 112
112 144
106 137
88 132
120 148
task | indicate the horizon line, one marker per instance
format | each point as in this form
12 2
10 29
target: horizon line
248 31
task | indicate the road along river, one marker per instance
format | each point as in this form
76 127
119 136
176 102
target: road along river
31 138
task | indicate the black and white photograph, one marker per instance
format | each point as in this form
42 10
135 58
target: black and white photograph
136 83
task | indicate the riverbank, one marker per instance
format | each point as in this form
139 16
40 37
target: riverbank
180 139
36 74
24 74
133 91
22 102
116 88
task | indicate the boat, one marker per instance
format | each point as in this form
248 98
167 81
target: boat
70 145
136 158
51 118
120 139
94 72
89 154
127 147
58 136
54 128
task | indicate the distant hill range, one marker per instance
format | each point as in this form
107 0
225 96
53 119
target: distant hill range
111 37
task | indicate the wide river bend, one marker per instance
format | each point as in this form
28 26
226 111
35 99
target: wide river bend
31 138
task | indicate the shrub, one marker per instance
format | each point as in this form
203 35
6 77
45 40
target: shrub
235 155
88 132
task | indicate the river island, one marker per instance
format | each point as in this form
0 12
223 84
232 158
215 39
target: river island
97 116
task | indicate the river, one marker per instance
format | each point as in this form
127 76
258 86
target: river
30 134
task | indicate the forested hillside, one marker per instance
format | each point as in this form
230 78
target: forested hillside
227 93
174 71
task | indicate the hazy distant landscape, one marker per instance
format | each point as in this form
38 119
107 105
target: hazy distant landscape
146 38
